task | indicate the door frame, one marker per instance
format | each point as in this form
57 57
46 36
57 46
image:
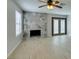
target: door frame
59 21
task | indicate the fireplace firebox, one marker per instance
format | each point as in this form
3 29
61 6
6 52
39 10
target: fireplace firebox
35 33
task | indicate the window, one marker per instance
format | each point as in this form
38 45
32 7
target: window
59 26
18 23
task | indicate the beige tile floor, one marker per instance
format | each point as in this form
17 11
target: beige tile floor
57 47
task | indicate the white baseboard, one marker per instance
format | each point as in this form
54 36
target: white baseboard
13 48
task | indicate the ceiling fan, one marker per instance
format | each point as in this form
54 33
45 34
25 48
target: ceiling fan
51 4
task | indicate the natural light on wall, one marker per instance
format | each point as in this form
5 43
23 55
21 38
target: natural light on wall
18 23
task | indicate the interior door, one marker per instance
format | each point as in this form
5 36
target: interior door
59 26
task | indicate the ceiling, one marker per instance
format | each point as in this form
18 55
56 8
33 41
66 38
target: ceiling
32 5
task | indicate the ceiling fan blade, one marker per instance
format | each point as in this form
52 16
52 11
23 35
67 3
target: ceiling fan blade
58 6
56 2
42 6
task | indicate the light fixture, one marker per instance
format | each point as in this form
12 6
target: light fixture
50 7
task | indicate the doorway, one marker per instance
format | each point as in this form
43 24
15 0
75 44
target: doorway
59 26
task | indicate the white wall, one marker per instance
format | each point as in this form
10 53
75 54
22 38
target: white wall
12 40
69 25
